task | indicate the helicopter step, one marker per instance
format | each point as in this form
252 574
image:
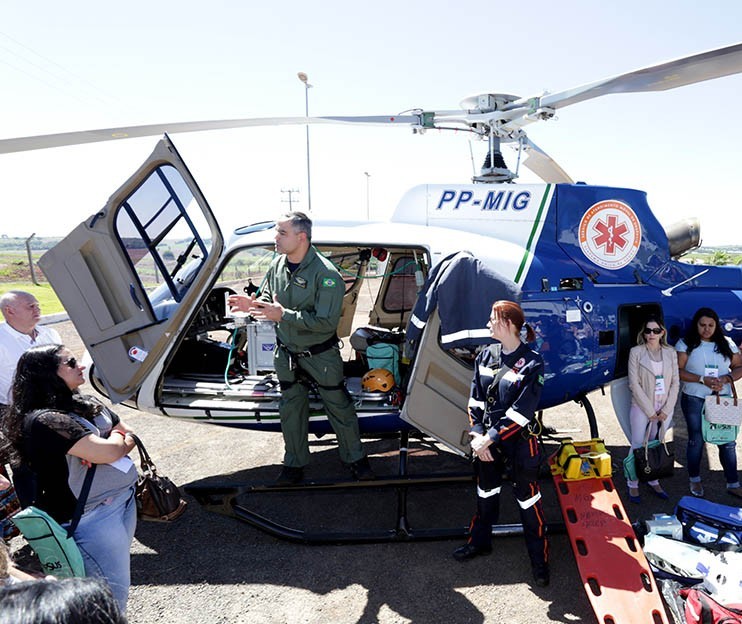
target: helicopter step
615 573
223 498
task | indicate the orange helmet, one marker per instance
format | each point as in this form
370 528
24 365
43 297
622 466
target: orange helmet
378 380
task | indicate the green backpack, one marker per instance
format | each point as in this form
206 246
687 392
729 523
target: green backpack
57 551
58 554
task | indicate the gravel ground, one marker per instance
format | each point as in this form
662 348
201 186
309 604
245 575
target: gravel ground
209 568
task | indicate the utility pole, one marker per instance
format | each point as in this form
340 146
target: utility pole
305 80
30 258
291 198
368 201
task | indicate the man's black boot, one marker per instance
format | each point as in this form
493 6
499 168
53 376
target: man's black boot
290 475
361 470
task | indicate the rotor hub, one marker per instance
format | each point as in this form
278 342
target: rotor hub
487 102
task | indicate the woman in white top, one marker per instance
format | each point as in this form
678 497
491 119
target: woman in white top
653 379
708 362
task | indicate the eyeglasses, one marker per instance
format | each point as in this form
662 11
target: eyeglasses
653 330
71 362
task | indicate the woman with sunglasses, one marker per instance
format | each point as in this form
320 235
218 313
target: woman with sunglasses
654 384
57 433
709 361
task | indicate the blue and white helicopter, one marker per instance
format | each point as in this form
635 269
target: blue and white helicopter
587 262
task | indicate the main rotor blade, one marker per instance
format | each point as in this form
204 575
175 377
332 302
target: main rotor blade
670 75
543 165
23 144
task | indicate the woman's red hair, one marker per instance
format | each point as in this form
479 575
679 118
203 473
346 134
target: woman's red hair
511 311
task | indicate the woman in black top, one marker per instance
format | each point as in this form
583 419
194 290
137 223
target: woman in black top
57 433
505 392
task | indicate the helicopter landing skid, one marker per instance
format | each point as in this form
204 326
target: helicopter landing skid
222 498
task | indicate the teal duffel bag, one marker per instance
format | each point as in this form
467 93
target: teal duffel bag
58 554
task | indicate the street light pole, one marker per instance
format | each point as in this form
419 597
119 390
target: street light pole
304 78
368 180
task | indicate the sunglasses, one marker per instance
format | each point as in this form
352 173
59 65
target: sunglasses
71 362
653 330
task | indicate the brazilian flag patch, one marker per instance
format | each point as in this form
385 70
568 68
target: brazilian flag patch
541 380
328 282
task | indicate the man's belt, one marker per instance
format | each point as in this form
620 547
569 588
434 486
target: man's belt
313 350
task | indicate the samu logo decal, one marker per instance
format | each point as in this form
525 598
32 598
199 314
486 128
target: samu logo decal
610 234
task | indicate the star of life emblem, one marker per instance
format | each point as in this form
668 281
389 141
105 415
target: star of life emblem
610 234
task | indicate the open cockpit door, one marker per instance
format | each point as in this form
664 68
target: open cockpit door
447 326
131 274
438 391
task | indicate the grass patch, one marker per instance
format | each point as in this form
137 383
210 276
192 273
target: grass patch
45 294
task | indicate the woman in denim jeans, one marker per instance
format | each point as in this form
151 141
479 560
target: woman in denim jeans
708 362
58 433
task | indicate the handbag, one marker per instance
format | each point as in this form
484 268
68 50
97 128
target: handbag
157 497
723 410
654 461
718 434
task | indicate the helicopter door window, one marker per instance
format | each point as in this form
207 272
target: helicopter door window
164 234
401 294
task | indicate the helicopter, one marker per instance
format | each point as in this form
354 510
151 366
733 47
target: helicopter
145 279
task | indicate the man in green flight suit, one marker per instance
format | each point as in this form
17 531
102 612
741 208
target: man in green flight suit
303 294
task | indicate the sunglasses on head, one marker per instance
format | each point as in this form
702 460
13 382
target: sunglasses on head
71 362
653 330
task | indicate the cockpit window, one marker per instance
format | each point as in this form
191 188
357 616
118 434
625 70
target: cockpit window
164 233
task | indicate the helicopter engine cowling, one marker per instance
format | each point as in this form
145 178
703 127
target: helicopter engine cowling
683 236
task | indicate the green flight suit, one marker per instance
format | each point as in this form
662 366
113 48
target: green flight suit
312 297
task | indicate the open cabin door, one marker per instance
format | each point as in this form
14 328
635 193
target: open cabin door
129 275
438 392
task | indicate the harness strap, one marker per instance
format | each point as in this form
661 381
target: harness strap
313 350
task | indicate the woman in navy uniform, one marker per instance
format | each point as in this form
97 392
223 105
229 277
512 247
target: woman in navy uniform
505 391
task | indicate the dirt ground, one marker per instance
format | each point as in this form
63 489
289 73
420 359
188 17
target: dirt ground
210 568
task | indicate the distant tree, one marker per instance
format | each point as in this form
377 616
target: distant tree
720 258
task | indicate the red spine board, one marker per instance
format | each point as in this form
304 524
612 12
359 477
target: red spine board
615 573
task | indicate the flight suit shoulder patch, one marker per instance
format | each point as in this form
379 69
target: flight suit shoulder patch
329 282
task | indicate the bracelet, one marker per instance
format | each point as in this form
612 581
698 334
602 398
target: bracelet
123 433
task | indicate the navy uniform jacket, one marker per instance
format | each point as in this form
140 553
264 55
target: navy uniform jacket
504 408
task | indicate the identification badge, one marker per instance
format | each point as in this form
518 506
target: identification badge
659 384
300 282
711 370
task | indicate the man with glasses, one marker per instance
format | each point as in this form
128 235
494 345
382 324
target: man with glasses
18 333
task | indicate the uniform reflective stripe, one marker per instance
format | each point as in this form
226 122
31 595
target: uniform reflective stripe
474 403
417 322
465 333
488 493
530 502
486 371
517 418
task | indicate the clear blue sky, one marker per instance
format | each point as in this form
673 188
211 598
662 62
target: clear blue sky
79 65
